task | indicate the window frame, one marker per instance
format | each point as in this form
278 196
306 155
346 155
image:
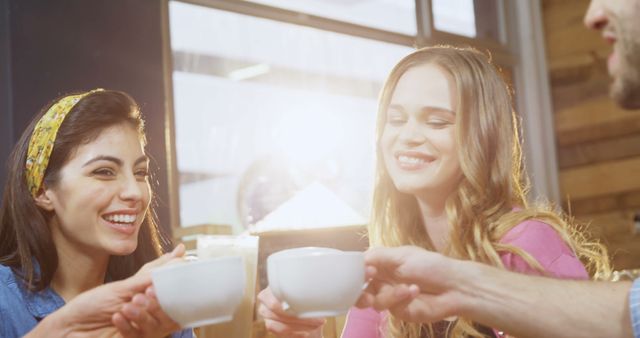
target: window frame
518 21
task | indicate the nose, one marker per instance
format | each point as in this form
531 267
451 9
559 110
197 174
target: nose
131 189
596 17
411 133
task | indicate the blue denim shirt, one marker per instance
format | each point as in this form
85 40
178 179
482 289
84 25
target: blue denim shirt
634 307
21 309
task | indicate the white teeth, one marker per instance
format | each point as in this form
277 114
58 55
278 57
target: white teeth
410 160
121 218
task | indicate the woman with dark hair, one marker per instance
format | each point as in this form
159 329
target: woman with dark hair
76 213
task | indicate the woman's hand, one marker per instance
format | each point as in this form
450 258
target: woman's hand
168 258
89 314
284 325
143 316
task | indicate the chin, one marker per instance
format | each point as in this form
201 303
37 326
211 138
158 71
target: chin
624 93
123 249
411 189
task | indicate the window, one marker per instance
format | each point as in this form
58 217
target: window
392 15
275 100
470 18
268 112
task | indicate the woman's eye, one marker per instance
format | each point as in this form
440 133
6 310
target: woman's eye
142 173
438 123
104 172
395 120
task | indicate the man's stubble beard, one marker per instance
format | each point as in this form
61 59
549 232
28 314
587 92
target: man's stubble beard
625 89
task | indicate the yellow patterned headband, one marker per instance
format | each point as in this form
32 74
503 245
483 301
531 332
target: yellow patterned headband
43 138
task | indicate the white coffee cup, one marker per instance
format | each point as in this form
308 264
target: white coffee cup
200 292
316 282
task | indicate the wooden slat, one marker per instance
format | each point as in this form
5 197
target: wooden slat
595 111
611 225
603 204
625 253
599 151
615 230
599 132
563 22
571 70
600 179
567 91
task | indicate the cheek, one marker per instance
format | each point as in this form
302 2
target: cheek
449 148
146 194
385 143
100 196
445 141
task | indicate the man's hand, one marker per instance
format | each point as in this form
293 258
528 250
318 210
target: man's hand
413 284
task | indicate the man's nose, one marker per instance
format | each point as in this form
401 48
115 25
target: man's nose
596 17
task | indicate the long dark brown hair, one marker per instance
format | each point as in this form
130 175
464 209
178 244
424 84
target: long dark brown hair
26 242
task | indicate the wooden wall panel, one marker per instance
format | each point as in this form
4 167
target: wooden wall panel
571 85
606 130
612 226
598 143
594 119
562 24
599 179
599 151
606 203
625 253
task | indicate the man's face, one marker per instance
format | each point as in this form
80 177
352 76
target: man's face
618 21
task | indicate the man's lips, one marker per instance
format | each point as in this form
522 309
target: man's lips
609 37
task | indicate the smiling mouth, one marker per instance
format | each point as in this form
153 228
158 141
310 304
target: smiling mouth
413 161
120 219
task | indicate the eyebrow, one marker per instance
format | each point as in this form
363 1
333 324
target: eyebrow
425 109
435 109
119 162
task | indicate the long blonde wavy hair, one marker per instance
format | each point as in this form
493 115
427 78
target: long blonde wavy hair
481 209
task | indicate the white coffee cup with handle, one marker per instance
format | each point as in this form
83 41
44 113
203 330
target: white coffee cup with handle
314 282
200 292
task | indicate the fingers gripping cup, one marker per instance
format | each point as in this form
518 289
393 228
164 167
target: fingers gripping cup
316 282
200 292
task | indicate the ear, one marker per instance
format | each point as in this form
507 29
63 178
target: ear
44 200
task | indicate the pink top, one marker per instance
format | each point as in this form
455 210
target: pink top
537 238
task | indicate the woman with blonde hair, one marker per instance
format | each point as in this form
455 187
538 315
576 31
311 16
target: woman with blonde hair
450 178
